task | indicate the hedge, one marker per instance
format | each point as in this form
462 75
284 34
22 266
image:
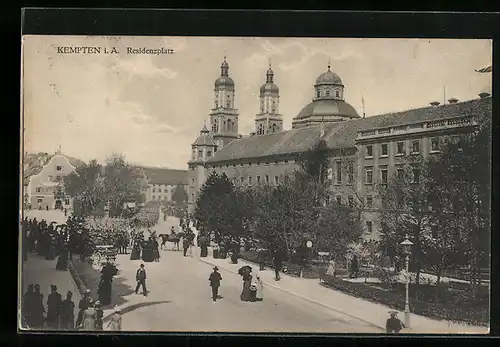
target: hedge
470 314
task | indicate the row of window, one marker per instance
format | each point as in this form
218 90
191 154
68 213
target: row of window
257 163
384 174
339 172
158 189
160 197
261 130
258 181
401 147
227 126
327 93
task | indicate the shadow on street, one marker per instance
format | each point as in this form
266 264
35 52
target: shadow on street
134 307
91 278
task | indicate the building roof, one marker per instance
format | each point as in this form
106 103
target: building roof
341 134
34 163
328 77
204 139
165 176
328 107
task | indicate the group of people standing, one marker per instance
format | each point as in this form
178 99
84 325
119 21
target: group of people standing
146 249
59 314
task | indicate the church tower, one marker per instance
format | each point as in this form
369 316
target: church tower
269 120
224 116
201 150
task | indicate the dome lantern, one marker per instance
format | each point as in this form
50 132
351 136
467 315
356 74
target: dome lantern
224 80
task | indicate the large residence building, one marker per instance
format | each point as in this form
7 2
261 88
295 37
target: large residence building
162 183
363 151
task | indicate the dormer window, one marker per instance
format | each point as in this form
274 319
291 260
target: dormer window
327 93
337 93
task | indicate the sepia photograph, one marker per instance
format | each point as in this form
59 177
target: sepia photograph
255 185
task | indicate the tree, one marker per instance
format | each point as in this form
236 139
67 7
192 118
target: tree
338 226
179 195
86 187
461 177
406 209
218 208
123 183
92 186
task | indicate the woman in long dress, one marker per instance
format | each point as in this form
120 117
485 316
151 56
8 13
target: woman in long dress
259 294
246 294
89 319
331 268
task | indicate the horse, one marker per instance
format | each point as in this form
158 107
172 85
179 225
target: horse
175 239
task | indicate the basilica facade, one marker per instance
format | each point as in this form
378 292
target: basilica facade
362 151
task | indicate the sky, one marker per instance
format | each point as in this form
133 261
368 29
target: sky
151 108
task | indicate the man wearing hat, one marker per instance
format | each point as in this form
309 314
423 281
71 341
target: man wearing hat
140 277
394 325
215 279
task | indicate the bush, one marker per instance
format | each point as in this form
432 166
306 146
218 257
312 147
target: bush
387 278
477 315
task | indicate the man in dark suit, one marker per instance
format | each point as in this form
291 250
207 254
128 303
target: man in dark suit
140 277
215 279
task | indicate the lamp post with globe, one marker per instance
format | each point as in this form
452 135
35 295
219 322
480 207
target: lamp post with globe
407 250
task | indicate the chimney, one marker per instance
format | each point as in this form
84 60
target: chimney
435 103
452 101
484 95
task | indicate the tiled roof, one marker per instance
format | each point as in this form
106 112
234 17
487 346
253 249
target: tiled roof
342 134
165 176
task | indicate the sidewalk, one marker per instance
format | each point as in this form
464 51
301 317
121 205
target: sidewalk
37 270
369 312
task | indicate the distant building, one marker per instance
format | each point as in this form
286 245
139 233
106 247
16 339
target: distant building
362 151
163 182
42 181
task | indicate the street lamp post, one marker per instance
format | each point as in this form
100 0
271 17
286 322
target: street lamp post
407 249
309 246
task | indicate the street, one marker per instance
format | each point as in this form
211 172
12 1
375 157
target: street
180 300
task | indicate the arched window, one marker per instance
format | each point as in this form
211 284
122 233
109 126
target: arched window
274 127
327 93
224 126
317 94
261 130
337 93
216 104
215 128
228 103
233 128
262 106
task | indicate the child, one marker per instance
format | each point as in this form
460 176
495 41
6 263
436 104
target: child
115 324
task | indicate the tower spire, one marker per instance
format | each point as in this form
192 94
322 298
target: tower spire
224 67
269 73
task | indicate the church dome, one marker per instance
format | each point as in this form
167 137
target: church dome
328 108
204 139
328 78
224 81
269 88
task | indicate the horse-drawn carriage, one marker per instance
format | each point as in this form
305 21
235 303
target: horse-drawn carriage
106 253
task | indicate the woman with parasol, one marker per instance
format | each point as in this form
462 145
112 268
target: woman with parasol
246 273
